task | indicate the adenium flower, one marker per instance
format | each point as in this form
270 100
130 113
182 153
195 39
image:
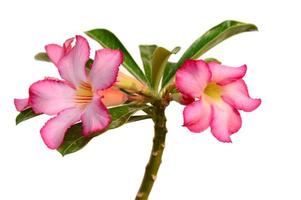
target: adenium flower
81 95
219 92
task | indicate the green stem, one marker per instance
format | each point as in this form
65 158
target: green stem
155 159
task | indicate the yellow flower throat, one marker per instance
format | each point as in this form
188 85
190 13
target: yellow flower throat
84 94
213 90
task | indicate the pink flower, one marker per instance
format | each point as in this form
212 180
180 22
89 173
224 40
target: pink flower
219 92
81 96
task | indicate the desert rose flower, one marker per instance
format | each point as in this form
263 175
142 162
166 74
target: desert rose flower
81 96
219 92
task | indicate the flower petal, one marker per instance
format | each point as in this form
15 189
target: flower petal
95 118
237 95
54 52
54 130
192 77
197 116
21 104
72 65
226 121
223 74
112 96
105 68
51 96
68 45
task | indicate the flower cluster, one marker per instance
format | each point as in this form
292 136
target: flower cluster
213 93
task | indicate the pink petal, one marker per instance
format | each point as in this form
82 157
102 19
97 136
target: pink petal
197 116
192 77
21 104
51 96
237 95
68 45
105 68
54 130
95 118
72 65
226 121
223 74
112 96
54 52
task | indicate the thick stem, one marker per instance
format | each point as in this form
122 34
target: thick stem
155 159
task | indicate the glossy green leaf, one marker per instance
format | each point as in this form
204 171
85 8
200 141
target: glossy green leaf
74 140
42 57
25 115
211 38
146 53
108 40
159 61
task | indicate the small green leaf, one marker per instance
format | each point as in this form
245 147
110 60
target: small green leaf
169 66
42 57
146 53
212 60
108 40
210 39
25 115
74 140
159 61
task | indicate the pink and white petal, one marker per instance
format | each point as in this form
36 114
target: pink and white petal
72 66
192 77
105 68
68 45
95 118
21 104
197 116
54 52
237 95
112 96
51 96
223 74
54 130
226 120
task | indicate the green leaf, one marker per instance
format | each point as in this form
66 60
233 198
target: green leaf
138 118
159 61
42 57
108 40
25 115
74 140
146 53
168 67
211 38
212 60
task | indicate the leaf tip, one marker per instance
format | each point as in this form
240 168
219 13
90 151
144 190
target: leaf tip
42 57
176 50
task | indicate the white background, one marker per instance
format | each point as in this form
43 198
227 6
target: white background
263 162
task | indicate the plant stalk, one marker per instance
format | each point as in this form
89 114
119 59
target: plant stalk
155 159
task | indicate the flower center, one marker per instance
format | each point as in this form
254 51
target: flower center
84 94
213 90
